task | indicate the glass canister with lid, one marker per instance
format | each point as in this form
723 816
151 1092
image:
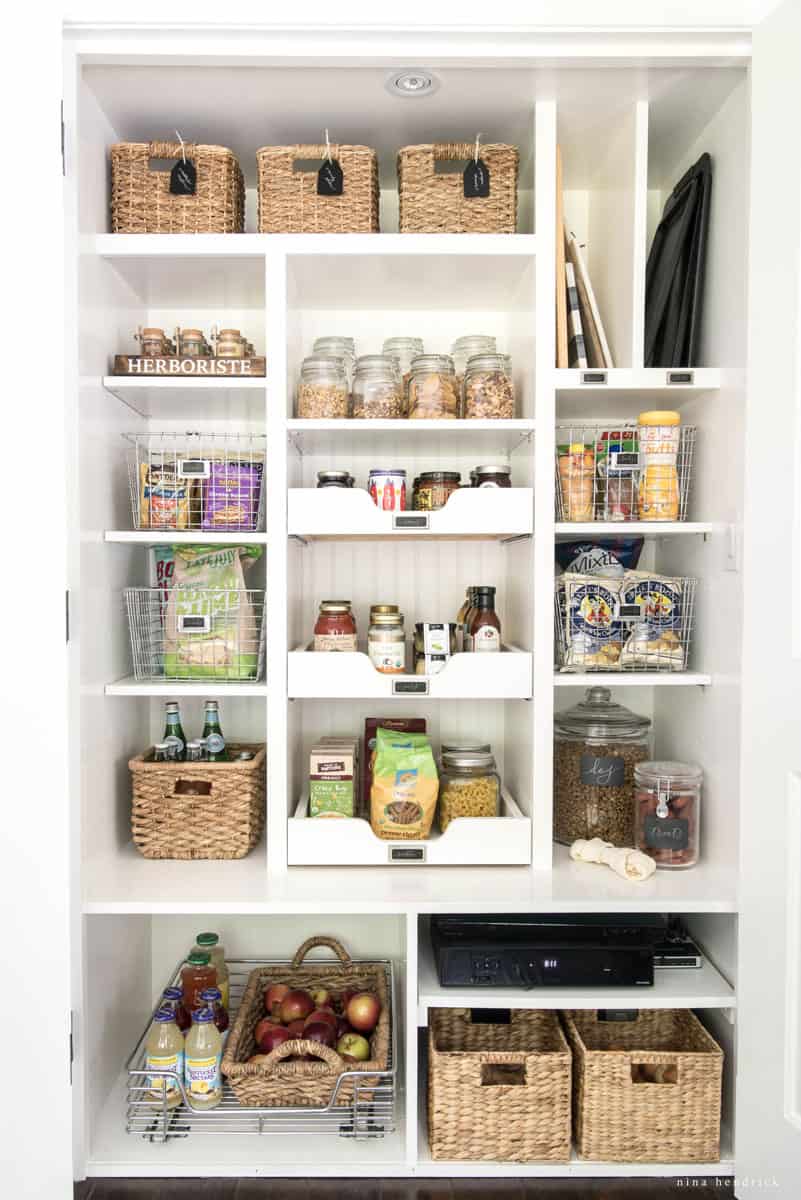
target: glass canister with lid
404 350
465 347
386 642
433 391
323 389
488 392
667 812
597 745
377 389
343 348
469 785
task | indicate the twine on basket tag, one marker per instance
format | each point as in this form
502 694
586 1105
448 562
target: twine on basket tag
476 176
183 176
329 178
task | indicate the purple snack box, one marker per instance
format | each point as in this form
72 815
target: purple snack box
231 495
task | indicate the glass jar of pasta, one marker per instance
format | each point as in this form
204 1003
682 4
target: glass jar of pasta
469 786
488 392
433 394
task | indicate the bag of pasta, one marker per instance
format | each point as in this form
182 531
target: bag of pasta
403 795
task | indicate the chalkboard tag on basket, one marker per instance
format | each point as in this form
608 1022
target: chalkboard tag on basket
618 1014
476 179
329 179
183 178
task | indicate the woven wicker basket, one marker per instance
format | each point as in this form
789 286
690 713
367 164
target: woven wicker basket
288 200
646 1090
141 201
277 1083
169 819
433 203
498 1092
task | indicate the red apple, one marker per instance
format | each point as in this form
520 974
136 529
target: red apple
322 1014
345 998
319 1031
264 1024
343 1027
295 1028
296 1006
274 1037
363 1012
353 1045
322 998
273 998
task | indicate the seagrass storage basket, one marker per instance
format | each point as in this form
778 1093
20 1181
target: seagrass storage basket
277 1083
141 201
645 1090
198 809
288 200
435 203
498 1091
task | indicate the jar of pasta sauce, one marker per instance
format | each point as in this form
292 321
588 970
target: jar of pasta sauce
336 626
388 489
435 488
667 812
494 475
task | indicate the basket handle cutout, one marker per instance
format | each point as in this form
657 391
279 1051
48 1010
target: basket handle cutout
192 787
448 166
490 1016
162 155
654 1073
307 165
301 1046
310 944
503 1074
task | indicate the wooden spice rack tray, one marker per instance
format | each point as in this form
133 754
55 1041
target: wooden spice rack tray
173 366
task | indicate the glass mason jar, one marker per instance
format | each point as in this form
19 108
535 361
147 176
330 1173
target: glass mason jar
495 475
377 389
191 343
597 746
433 392
386 643
153 342
469 786
323 389
465 347
341 479
434 488
667 812
343 348
335 628
230 344
488 392
403 350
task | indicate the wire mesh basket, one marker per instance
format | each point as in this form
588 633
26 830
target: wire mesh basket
197 481
370 1113
601 475
639 622
196 633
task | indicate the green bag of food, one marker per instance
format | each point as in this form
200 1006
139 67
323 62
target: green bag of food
403 795
211 626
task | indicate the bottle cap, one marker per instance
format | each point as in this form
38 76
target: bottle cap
209 995
200 1015
207 939
172 993
162 1015
198 958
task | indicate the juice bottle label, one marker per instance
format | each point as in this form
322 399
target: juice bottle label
166 1062
203 1075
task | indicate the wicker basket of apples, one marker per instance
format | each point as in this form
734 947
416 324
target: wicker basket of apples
303 1026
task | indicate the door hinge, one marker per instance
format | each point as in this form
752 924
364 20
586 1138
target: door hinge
71 1043
63 164
67 613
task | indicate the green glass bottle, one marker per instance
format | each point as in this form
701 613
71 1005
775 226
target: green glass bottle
173 730
212 732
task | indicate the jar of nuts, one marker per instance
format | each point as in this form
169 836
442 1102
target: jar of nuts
433 394
597 745
377 388
488 392
323 389
464 348
338 347
469 786
667 811
403 350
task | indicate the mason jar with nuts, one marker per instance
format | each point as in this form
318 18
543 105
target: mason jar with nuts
469 786
323 389
597 745
488 392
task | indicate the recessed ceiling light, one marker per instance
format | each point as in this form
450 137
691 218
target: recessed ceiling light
412 82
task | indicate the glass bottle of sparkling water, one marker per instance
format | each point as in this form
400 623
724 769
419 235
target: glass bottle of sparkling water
213 734
174 731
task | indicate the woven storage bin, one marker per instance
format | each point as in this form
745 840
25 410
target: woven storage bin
432 203
498 1092
277 1083
170 820
141 201
621 1113
288 200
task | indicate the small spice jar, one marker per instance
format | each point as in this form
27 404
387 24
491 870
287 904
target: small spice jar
403 350
335 628
386 643
488 392
229 343
153 342
340 479
597 746
323 389
433 391
497 475
343 348
667 812
191 343
377 391
434 488
469 786
464 348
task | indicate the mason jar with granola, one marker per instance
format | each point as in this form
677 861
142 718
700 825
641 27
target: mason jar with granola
488 392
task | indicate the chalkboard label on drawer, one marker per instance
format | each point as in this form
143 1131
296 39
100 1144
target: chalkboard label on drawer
667 833
597 771
680 377
407 854
594 377
409 687
410 521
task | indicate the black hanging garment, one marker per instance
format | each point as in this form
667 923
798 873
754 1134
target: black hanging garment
674 278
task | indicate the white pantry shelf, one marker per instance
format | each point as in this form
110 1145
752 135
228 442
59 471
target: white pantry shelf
183 537
128 686
402 437
469 512
503 676
677 987
221 398
566 530
175 245
253 245
631 679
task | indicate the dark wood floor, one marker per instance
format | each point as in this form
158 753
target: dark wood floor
401 1189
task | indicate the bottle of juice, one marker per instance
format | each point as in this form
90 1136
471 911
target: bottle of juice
197 973
164 1051
202 1056
172 998
209 943
212 998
